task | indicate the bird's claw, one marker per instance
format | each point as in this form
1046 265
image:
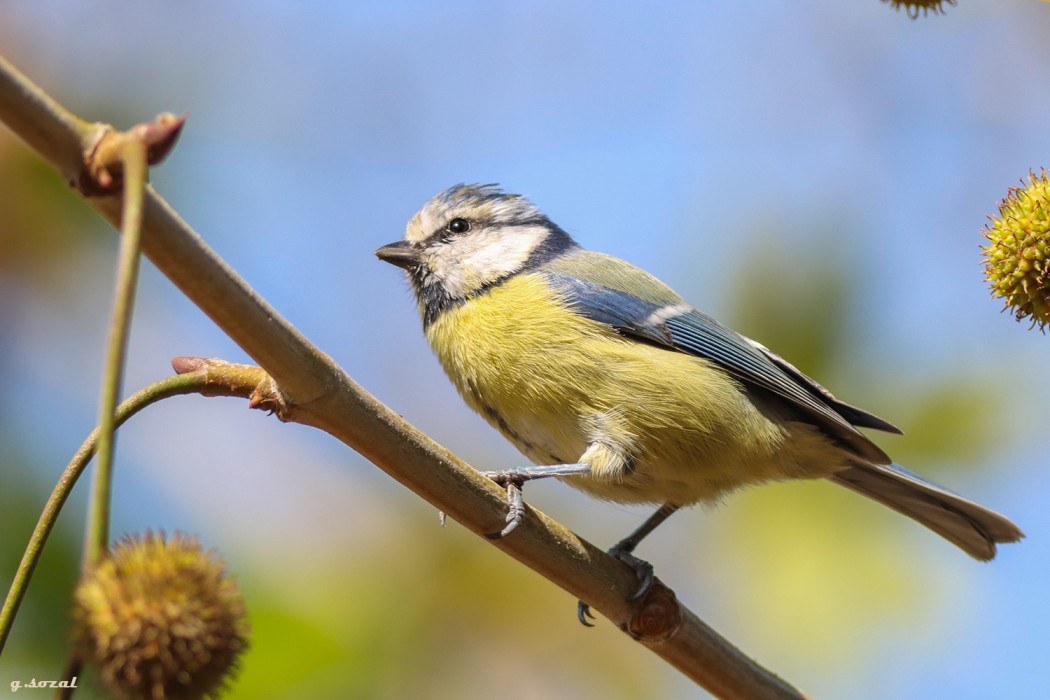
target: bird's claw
514 484
643 570
583 614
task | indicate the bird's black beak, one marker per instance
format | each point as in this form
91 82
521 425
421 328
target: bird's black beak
401 254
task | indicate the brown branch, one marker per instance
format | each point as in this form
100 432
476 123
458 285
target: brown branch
317 392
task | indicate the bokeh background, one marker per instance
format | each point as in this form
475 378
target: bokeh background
814 173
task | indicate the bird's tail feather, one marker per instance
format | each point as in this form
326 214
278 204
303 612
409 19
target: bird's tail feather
972 527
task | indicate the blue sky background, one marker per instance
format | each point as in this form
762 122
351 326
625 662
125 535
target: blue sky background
689 138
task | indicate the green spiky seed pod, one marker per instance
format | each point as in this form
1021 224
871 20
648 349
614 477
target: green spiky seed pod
161 619
1015 260
913 7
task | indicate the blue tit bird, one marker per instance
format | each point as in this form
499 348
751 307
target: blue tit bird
605 378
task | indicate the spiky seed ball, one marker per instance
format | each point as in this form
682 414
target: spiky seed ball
1015 260
913 7
161 619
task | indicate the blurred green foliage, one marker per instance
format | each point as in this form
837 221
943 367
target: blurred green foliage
806 554
43 223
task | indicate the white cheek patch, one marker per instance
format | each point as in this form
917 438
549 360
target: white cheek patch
494 256
467 264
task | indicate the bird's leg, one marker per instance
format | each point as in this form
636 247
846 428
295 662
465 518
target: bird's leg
513 480
623 550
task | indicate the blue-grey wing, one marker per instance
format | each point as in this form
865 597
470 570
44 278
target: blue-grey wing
663 318
856 416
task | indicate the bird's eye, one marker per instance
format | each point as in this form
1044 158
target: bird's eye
458 226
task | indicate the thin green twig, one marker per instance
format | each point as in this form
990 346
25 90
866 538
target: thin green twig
191 383
135 171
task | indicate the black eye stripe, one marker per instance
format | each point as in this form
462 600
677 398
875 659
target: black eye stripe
535 221
459 225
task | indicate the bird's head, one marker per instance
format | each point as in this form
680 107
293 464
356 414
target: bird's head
470 238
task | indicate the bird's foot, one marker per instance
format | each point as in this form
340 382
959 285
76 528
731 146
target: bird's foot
514 482
643 570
